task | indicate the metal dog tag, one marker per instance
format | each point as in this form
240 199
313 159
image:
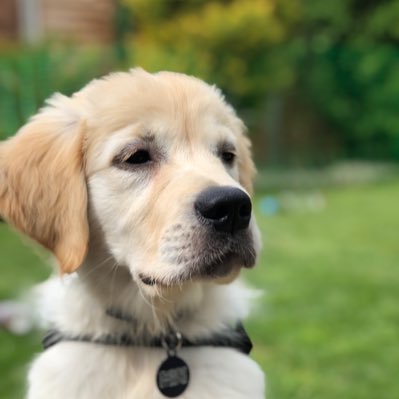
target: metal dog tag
173 374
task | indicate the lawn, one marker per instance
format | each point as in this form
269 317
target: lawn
327 325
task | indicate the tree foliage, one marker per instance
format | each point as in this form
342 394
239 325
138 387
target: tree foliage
352 77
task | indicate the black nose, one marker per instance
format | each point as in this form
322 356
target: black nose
228 209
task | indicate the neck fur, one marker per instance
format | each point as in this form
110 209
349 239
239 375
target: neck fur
79 302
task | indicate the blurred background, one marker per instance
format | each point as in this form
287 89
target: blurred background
317 83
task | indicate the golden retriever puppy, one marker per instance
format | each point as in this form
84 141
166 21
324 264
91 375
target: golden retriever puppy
140 185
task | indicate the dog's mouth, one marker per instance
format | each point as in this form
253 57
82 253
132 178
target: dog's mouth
212 266
197 254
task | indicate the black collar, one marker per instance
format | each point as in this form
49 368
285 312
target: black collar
236 338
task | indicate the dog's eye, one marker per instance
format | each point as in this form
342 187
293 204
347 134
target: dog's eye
139 157
228 157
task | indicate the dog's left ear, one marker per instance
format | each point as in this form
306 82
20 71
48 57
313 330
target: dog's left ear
42 182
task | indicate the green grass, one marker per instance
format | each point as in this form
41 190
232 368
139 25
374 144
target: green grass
329 320
328 323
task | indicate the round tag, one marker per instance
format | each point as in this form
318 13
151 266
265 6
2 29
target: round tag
173 376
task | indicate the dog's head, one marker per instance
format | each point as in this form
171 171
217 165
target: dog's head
158 165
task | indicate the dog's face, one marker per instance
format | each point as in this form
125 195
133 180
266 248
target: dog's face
160 162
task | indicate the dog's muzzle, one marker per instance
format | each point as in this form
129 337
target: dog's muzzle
213 245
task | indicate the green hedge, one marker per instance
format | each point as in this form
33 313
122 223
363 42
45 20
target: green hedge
29 75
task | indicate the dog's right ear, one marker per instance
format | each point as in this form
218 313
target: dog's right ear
42 181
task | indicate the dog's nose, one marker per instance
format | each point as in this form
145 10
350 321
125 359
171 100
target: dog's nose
227 209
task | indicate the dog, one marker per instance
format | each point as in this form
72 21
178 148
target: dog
140 186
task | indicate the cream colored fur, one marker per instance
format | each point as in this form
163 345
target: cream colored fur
65 183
